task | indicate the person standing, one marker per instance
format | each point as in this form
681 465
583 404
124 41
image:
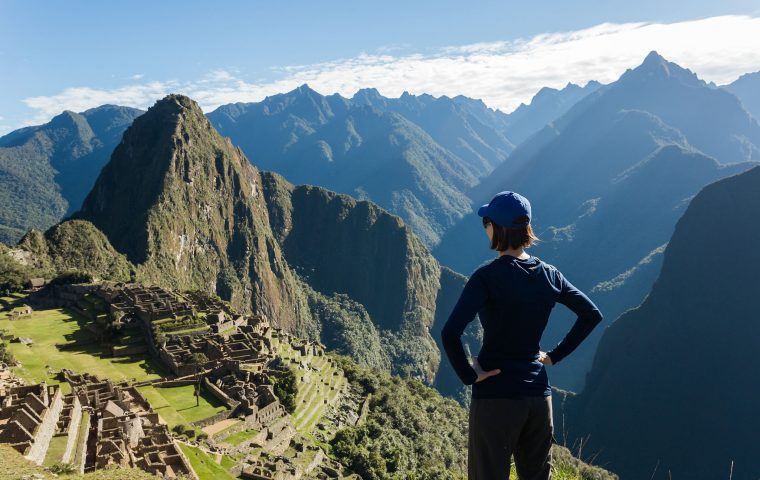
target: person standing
513 295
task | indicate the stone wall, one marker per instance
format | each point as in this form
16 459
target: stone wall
82 446
220 395
71 443
212 420
46 429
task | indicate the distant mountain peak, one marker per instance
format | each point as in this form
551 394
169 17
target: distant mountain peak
654 58
368 96
655 66
368 91
304 87
66 118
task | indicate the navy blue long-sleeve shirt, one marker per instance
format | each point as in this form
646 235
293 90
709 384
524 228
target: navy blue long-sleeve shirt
513 299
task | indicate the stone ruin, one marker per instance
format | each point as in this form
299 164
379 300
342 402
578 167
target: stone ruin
29 418
124 430
250 344
250 395
279 467
8 380
131 301
18 313
121 429
203 303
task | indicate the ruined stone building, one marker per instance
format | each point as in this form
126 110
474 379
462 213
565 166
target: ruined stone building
130 300
28 418
105 424
124 430
252 393
250 344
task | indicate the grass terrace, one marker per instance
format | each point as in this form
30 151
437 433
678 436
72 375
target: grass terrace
205 465
176 405
320 389
241 436
81 353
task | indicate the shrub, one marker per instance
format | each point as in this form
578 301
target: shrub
286 388
72 276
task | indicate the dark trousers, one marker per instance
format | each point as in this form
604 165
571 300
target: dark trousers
501 427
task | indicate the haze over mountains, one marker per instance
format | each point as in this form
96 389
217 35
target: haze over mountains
438 149
416 156
747 89
673 384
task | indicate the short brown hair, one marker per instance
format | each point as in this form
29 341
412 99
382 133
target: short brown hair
505 238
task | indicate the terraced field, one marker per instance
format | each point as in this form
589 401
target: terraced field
323 384
49 328
176 405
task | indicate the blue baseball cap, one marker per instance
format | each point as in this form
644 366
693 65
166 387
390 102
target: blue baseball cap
505 208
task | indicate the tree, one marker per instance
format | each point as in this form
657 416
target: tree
199 360
286 388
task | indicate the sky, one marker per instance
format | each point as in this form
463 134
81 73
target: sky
58 55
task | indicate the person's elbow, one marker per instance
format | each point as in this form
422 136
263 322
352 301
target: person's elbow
596 317
450 333
447 334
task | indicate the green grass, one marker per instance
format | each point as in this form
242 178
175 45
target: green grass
176 405
204 464
55 450
48 327
241 436
560 472
228 462
84 424
14 466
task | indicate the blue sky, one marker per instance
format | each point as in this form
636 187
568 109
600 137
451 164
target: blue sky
78 54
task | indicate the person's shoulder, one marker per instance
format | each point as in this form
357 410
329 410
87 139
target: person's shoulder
552 271
484 270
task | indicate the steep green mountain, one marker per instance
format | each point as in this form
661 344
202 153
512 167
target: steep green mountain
180 206
354 149
747 88
74 245
672 384
45 171
608 180
185 206
341 245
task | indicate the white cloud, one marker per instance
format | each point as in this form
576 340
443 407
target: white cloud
78 99
137 76
503 74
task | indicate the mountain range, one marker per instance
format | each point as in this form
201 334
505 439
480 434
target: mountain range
416 156
604 152
438 147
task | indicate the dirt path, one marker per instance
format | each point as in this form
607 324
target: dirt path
217 427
